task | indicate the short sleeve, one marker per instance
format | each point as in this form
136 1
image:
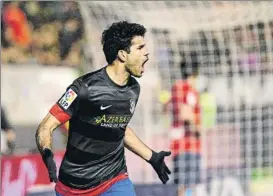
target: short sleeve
67 105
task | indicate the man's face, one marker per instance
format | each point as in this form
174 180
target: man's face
137 57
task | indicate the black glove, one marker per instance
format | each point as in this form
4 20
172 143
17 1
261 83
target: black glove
157 162
48 159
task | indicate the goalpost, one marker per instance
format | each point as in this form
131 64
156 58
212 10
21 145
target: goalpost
232 43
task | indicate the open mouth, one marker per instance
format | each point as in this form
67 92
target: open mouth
143 65
145 62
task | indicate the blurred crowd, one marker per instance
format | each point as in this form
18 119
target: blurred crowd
44 32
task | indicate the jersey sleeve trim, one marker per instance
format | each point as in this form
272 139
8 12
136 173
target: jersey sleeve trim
59 113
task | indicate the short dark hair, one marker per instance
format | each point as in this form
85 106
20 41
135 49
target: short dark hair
118 37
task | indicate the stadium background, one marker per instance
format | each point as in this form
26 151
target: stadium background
231 42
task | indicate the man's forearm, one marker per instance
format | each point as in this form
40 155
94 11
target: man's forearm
43 135
134 144
43 138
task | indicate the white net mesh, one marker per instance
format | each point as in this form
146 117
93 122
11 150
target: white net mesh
232 45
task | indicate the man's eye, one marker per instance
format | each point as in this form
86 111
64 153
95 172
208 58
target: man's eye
140 47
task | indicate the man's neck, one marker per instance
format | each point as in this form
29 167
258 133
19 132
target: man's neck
117 73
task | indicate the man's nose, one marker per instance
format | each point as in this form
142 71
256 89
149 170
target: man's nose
147 54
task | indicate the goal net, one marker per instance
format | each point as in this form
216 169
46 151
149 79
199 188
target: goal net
231 44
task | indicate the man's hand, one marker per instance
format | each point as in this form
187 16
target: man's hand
157 162
48 159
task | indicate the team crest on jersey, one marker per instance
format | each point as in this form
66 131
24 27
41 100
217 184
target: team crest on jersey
132 105
68 98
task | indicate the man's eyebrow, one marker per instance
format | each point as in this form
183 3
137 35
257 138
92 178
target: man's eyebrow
141 46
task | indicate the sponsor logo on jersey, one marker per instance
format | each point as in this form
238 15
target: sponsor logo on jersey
68 98
112 121
105 107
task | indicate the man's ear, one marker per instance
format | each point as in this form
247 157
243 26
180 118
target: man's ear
122 55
